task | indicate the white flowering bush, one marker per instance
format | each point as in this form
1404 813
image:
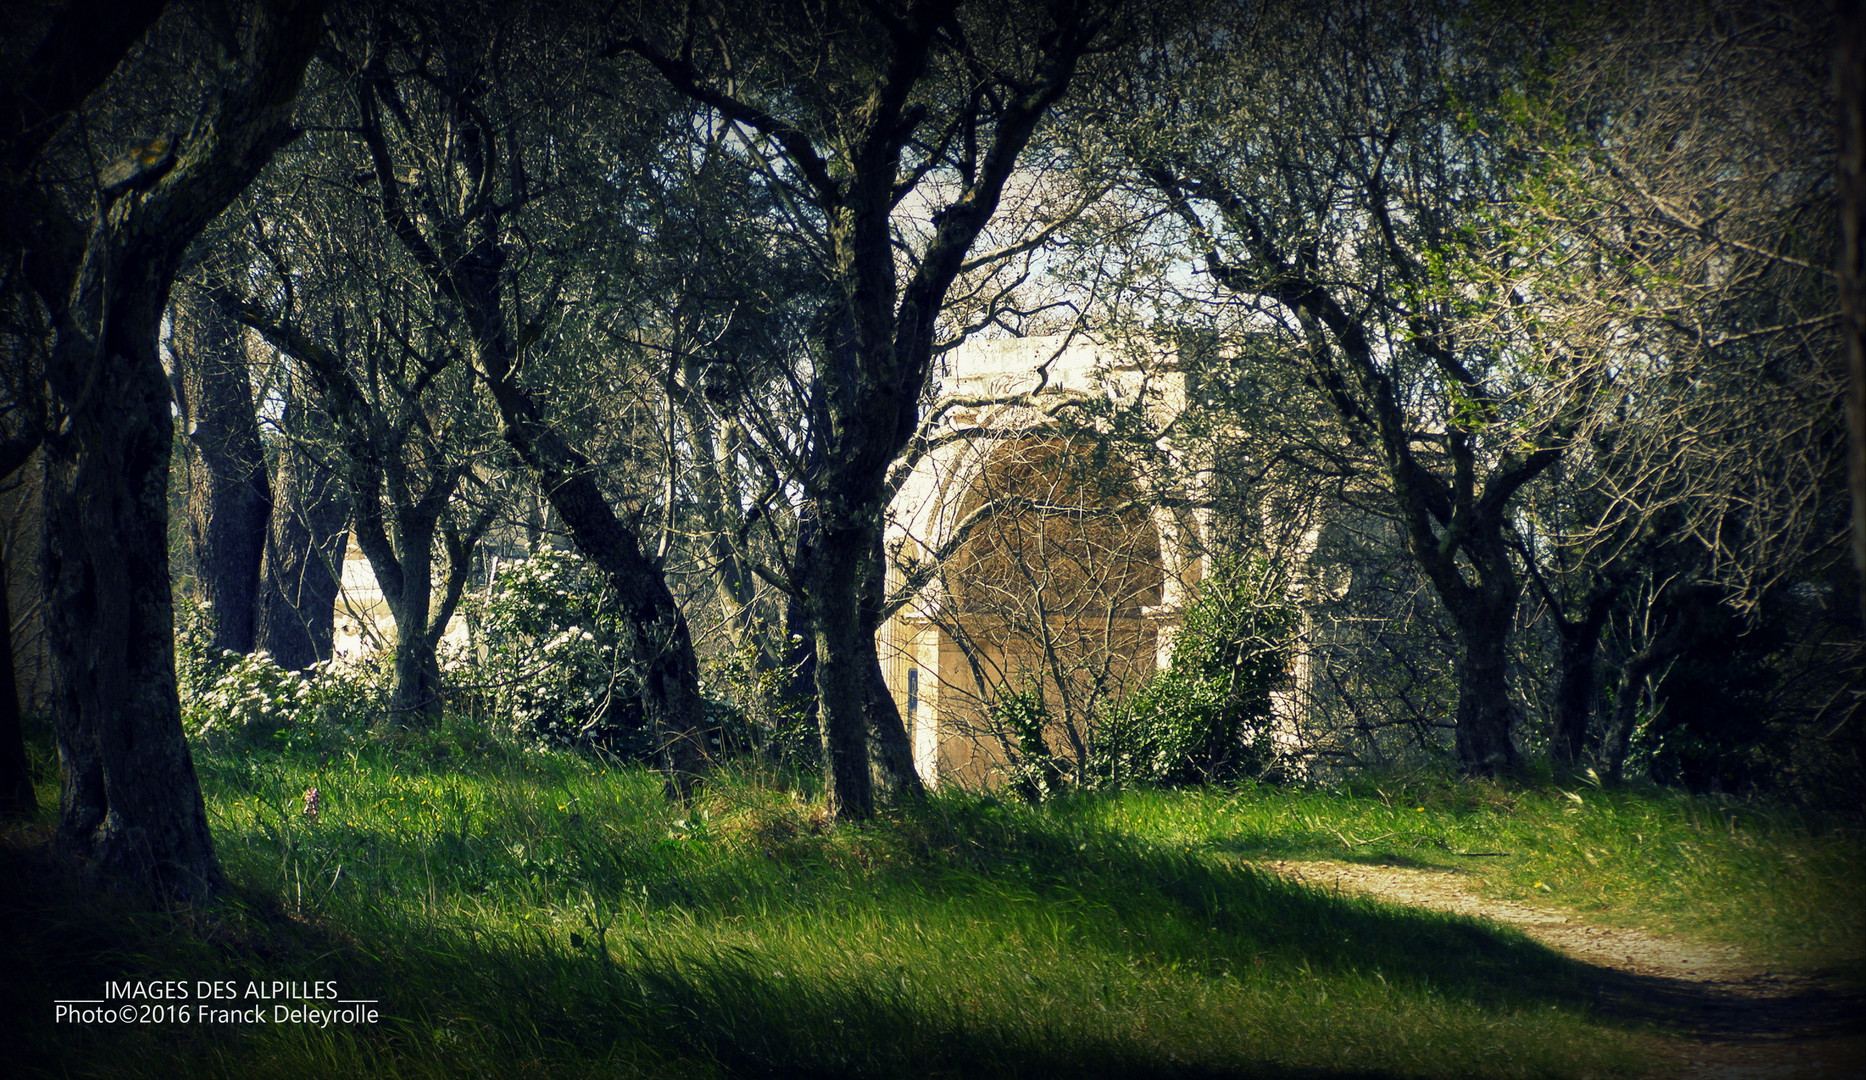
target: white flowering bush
554 658
248 698
232 699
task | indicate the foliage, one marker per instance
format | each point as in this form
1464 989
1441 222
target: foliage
554 663
1753 704
1209 717
753 709
1021 718
230 699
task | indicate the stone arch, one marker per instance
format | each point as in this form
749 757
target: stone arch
1059 574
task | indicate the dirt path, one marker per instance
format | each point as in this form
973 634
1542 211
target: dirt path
1733 1020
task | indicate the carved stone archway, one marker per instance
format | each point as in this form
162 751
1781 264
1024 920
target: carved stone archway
1038 561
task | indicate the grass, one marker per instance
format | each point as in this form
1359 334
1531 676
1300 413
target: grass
539 914
1787 888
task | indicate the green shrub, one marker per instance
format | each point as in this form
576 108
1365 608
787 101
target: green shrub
1208 718
751 708
555 663
1020 718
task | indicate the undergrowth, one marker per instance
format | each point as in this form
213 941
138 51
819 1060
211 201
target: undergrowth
526 913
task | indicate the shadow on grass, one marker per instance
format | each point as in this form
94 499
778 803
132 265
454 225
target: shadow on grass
1116 895
1758 1013
456 998
458 1002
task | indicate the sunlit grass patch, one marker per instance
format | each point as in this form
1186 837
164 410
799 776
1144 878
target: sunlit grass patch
524 913
1787 887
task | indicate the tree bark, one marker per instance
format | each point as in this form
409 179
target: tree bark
304 560
1485 715
21 642
132 807
17 797
229 497
892 747
1850 80
401 555
845 651
1578 673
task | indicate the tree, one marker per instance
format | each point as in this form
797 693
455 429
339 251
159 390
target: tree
448 181
100 256
1554 281
893 133
1670 234
17 796
1328 174
309 531
229 495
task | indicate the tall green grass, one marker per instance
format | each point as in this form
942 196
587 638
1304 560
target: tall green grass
1787 887
538 914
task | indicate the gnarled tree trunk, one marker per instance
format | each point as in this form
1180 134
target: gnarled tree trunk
132 807
17 797
229 497
304 561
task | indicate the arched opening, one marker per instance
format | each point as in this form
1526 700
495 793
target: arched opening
1045 605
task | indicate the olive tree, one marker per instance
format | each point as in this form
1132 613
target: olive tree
894 131
92 255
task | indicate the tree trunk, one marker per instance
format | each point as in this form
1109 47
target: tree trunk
303 564
1578 667
1483 611
21 533
1850 82
229 499
404 571
133 808
1485 714
415 698
845 655
660 639
17 797
1617 740
892 747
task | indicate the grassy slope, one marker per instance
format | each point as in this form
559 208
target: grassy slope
525 914
1786 888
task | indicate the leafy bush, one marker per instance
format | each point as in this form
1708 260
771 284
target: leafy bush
1208 718
249 700
751 709
1020 718
555 663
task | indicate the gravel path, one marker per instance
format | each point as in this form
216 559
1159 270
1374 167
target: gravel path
1733 1020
